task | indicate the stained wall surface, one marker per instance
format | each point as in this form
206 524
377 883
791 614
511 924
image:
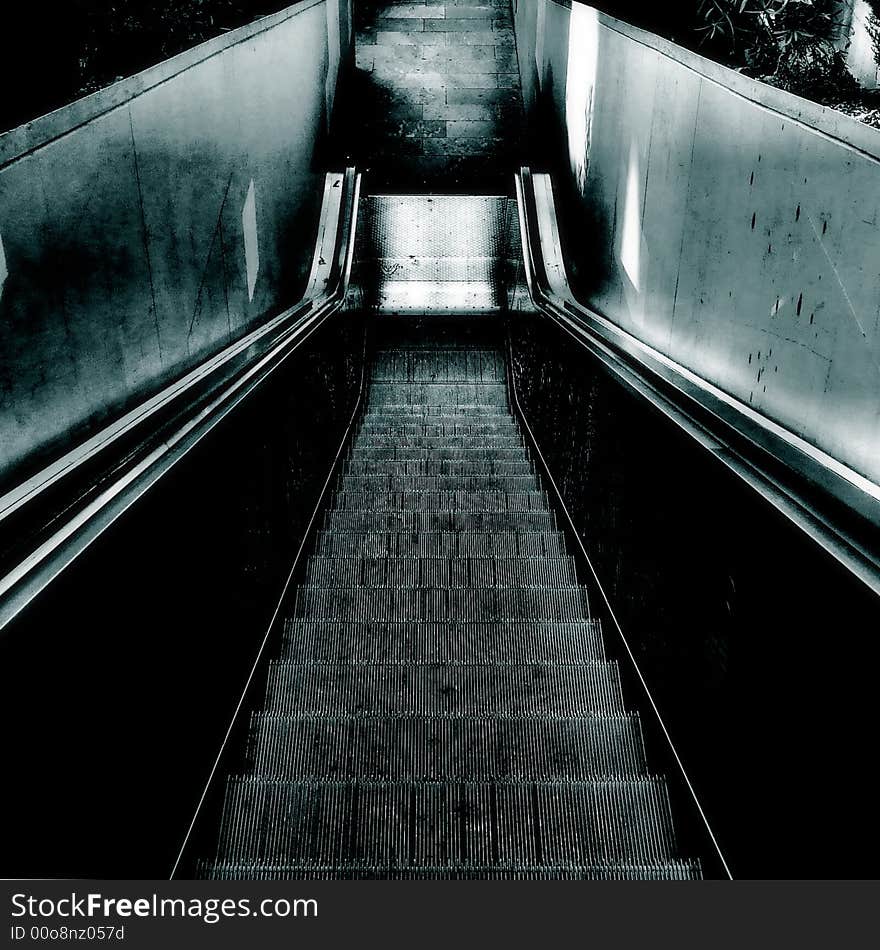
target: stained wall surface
728 224
144 227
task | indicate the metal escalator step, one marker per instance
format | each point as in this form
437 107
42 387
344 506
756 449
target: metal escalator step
441 501
356 641
459 469
440 572
459 453
440 544
439 365
419 748
435 394
438 430
439 412
371 519
507 440
416 483
472 689
659 871
398 824
434 467
435 604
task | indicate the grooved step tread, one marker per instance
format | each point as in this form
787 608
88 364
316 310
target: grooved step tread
318 641
440 544
489 482
438 467
440 572
448 748
431 522
660 871
441 501
475 689
604 821
426 603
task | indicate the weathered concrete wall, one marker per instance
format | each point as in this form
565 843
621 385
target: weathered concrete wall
147 225
730 225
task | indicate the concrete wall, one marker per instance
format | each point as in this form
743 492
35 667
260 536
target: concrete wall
730 225
146 226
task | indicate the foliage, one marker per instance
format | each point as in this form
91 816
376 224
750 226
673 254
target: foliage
788 42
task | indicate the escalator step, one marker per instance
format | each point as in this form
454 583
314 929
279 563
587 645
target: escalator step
495 440
311 641
440 544
438 483
439 412
432 604
462 467
431 522
399 824
464 689
420 394
451 501
439 365
660 871
438 430
440 453
440 572
449 748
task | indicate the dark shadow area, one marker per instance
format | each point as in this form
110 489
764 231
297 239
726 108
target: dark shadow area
117 685
55 52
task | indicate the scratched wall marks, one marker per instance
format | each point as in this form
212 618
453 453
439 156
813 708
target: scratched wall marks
128 257
757 232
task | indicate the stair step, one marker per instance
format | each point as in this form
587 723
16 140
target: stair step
441 501
474 572
435 604
472 689
452 483
439 366
659 871
430 522
396 824
315 641
435 394
462 748
507 440
440 544
458 453
438 430
422 467
439 412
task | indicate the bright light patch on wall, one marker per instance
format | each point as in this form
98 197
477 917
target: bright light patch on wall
4 271
539 41
334 51
583 57
631 236
251 246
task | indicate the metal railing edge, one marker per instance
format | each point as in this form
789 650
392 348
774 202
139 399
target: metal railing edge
70 536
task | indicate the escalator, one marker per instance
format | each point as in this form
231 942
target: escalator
442 705
416 566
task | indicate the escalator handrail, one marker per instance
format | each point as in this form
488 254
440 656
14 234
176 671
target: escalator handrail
129 455
805 484
277 617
